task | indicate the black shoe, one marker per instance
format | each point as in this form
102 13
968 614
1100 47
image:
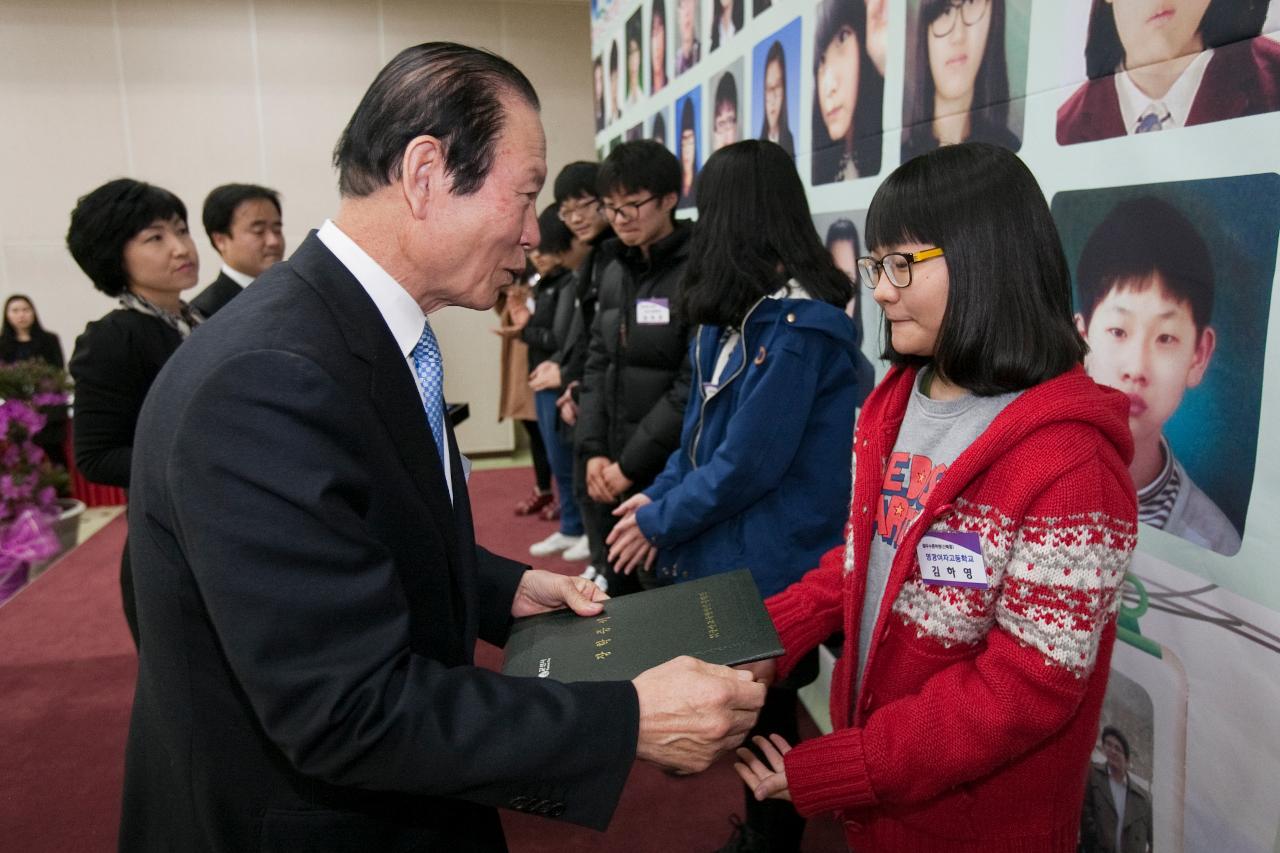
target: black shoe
744 839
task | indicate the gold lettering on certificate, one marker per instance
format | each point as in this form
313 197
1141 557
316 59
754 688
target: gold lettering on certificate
709 615
602 655
602 643
603 630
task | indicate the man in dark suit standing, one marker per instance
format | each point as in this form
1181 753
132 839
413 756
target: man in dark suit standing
243 222
307 575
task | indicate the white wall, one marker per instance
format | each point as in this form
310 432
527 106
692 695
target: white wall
189 94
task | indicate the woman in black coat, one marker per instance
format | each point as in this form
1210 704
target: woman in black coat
132 240
22 339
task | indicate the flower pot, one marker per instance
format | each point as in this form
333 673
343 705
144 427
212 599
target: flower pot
67 528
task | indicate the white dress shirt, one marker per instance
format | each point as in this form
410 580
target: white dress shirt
1178 100
401 313
236 276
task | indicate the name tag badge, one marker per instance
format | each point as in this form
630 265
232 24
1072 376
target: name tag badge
952 559
653 312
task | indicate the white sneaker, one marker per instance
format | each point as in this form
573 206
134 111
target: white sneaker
579 550
555 542
602 582
589 573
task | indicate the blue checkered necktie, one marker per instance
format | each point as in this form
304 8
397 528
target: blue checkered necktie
429 368
1153 118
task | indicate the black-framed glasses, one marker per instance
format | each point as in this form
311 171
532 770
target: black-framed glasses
625 212
895 265
588 206
969 12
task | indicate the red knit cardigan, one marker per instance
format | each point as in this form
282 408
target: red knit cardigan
978 708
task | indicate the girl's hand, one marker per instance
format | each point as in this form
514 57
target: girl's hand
765 782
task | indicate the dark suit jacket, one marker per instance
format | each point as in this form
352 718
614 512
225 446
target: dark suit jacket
216 295
1241 79
113 364
311 600
1098 819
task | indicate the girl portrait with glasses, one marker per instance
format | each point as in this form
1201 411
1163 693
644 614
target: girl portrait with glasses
958 85
992 521
848 94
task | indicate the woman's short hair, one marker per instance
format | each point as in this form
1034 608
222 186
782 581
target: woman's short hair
8 332
753 218
555 237
990 88
1008 323
833 16
1224 22
778 57
449 91
639 166
109 217
1141 238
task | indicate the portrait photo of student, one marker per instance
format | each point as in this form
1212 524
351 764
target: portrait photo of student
958 75
726 21
658 128
689 142
615 86
635 59
726 114
1172 288
841 233
688 47
658 47
848 94
775 98
634 133
1117 814
597 86
1183 63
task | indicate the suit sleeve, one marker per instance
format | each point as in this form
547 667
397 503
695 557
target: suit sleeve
109 390
313 619
499 579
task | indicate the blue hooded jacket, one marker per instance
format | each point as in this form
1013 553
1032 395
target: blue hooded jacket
761 479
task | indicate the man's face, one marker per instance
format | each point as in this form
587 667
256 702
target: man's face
256 240
472 246
1144 343
583 217
1158 30
650 223
726 125
773 95
1116 759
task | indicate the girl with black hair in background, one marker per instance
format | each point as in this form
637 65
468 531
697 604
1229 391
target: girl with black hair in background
635 71
726 21
848 93
688 138
658 47
960 90
747 489
774 126
23 338
1178 63
132 241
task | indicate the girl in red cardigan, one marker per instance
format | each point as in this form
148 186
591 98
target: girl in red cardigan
992 522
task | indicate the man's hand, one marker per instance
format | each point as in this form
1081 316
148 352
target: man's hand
615 480
597 489
765 782
763 671
540 592
518 311
545 377
628 546
692 711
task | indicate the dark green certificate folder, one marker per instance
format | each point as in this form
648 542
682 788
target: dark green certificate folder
719 619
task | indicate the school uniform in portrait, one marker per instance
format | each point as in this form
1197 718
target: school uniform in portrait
1240 79
221 291
311 592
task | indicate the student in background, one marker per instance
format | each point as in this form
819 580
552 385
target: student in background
746 488
1145 283
992 522
23 338
636 383
960 90
132 241
775 127
847 95
1194 62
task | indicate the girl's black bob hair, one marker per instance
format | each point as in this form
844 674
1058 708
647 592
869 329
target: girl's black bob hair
1008 323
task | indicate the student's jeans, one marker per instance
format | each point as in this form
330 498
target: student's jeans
560 455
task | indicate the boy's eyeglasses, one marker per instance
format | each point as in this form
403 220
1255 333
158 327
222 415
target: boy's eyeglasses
586 207
625 212
895 265
968 11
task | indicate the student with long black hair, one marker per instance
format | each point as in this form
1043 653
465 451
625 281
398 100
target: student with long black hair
23 338
959 90
749 488
848 93
992 522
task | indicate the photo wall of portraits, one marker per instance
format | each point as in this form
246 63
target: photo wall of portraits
1153 129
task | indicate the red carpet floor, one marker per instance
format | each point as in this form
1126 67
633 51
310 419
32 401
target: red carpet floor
66 685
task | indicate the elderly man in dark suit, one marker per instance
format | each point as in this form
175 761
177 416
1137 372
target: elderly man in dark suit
307 574
244 225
